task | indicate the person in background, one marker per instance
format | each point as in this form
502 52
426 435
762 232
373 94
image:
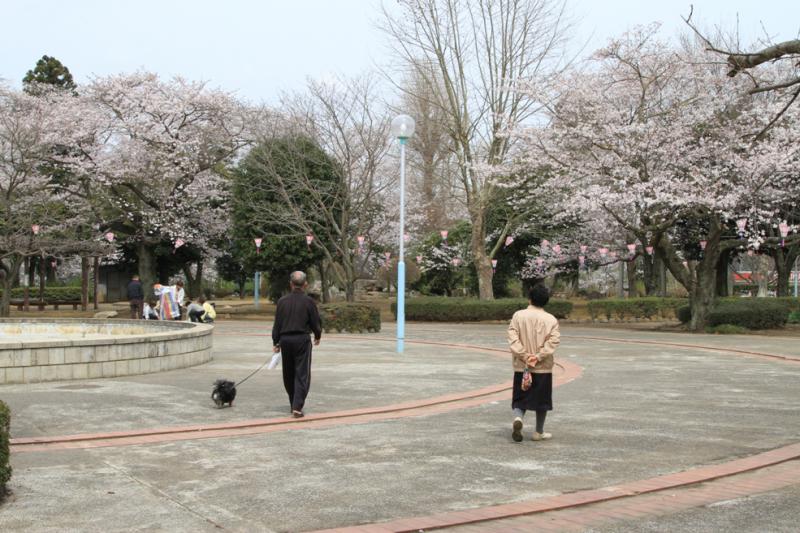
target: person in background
195 311
533 336
210 312
180 295
149 310
168 307
295 317
135 297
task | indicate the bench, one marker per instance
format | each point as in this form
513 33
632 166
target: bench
20 304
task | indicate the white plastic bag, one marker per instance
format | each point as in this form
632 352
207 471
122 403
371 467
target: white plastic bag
275 360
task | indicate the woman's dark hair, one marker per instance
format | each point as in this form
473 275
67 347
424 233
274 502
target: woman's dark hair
539 295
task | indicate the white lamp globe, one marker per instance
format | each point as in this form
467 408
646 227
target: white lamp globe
402 127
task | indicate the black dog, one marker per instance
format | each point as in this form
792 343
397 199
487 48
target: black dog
224 392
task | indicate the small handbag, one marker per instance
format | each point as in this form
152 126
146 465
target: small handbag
527 380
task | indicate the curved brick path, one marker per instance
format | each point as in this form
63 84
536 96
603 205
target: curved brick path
628 498
565 372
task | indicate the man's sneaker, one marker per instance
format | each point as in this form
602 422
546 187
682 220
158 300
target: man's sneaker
516 430
542 436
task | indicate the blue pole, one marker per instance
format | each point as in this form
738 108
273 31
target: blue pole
401 265
257 281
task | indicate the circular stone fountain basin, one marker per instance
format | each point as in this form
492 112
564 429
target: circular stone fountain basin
34 350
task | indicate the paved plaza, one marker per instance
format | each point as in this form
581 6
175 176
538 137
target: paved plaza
652 432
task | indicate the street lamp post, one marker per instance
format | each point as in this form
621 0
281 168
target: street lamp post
257 276
402 128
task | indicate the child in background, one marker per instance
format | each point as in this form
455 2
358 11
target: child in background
209 311
195 311
149 311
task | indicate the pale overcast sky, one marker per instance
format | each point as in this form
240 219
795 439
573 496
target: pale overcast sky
258 47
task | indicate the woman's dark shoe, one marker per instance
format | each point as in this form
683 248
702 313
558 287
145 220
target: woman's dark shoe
298 414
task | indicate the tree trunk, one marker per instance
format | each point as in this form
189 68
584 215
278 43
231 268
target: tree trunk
240 283
784 264
323 282
5 300
621 280
350 291
146 265
698 278
763 263
7 282
199 279
650 275
784 274
701 298
483 264
95 279
42 277
84 283
26 292
195 283
723 273
630 266
702 282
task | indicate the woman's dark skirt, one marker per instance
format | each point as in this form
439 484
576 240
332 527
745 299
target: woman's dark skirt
538 398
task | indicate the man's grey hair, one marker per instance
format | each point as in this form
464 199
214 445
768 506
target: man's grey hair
297 279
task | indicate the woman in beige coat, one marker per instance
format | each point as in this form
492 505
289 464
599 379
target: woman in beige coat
533 336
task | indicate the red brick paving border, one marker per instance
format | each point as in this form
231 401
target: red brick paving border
651 505
581 504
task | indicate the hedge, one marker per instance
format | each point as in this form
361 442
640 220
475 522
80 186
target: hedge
51 294
750 313
5 432
442 309
621 309
351 318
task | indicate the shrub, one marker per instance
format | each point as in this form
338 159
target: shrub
5 433
726 329
51 294
647 307
351 318
431 309
558 308
684 314
750 313
794 317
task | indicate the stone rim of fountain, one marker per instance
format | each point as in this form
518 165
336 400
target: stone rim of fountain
167 346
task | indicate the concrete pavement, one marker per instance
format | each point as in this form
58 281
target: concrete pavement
637 411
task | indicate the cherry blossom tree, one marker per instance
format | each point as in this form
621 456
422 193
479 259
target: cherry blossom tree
149 156
649 141
784 81
38 216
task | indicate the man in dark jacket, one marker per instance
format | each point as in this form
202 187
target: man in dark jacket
136 297
295 318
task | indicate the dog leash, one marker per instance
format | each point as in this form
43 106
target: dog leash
253 373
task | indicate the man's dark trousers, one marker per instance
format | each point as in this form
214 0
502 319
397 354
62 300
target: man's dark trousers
296 362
